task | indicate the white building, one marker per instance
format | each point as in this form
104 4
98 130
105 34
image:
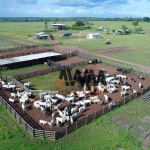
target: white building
93 36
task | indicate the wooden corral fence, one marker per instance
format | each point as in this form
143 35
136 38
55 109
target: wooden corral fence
45 71
39 92
109 63
54 135
23 45
5 55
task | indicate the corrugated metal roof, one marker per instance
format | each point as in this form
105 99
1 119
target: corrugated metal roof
27 58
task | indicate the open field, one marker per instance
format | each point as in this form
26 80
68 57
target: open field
137 44
4 44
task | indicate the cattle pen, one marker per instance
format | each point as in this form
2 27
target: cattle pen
36 131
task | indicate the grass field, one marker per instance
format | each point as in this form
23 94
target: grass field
12 72
137 44
103 133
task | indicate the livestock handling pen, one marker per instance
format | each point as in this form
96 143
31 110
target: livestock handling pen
91 111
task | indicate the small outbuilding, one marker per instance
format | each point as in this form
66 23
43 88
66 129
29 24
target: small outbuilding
59 26
93 36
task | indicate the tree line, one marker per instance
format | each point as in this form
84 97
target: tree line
56 19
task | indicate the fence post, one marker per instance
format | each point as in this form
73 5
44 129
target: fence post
26 125
86 120
54 135
103 111
118 104
43 133
33 133
66 129
76 124
95 115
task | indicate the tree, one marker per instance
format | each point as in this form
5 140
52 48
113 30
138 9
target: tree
135 24
79 23
146 19
126 29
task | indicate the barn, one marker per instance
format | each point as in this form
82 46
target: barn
93 36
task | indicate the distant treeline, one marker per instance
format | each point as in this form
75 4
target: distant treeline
42 19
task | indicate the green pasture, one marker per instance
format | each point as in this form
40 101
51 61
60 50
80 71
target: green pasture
136 44
49 81
5 44
21 30
11 72
101 134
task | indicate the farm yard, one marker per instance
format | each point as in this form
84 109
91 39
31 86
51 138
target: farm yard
113 97
128 122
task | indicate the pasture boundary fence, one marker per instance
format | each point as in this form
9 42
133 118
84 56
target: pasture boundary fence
46 71
24 45
54 135
115 64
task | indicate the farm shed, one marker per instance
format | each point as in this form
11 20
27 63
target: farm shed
93 36
59 26
42 35
28 60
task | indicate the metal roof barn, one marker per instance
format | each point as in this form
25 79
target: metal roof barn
27 58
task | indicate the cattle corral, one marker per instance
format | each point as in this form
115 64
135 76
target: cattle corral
91 112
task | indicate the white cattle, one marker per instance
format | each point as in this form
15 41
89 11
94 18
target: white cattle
36 105
43 122
23 106
123 93
112 104
81 109
69 99
13 95
54 101
125 87
74 109
97 100
61 120
87 101
106 98
48 96
27 84
93 97
11 100
59 96
51 123
112 89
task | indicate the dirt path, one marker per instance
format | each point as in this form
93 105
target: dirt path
147 68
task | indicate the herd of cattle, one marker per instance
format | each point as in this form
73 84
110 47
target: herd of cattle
64 109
